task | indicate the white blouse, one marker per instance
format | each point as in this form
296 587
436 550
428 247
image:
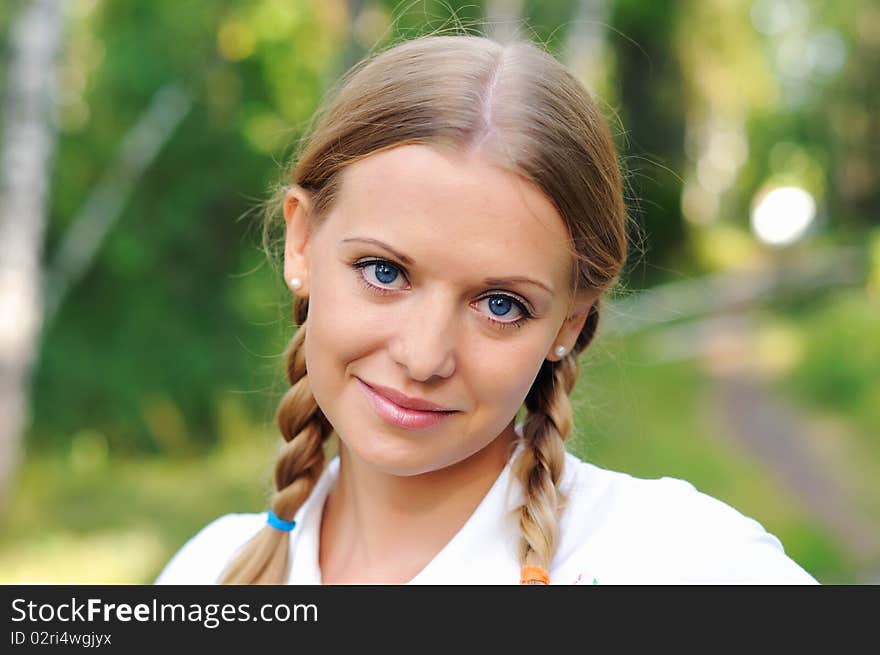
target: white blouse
615 529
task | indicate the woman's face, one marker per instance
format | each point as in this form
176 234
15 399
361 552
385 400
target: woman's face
411 288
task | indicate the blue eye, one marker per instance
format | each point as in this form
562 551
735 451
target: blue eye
500 305
383 272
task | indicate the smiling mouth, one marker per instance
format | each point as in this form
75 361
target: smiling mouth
391 412
405 402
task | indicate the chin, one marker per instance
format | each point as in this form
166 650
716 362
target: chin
400 460
391 455
404 457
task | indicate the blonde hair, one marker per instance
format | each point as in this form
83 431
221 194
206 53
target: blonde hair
522 110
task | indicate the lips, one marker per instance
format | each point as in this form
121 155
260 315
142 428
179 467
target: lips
404 401
412 419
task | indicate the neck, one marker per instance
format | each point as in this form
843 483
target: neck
383 528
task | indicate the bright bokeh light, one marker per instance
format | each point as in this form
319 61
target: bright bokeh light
781 216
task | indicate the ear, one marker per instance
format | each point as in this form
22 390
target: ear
573 324
297 208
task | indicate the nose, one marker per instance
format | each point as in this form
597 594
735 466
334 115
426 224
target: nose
424 341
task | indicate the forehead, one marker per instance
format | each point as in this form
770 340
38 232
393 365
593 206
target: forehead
447 208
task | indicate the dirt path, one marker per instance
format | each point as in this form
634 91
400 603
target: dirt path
819 460
779 435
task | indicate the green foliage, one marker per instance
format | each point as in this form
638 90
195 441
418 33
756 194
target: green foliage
159 314
812 127
839 369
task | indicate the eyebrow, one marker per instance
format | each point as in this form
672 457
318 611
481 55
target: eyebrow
492 281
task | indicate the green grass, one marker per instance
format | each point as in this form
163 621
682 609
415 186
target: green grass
119 521
839 365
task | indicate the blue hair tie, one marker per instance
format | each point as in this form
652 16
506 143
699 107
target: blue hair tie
279 524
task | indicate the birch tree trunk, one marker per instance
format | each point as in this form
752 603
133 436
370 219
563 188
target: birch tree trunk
504 18
585 40
26 152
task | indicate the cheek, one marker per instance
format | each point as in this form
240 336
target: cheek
506 373
331 328
341 326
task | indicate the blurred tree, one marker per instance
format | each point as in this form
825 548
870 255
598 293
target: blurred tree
651 93
838 98
26 153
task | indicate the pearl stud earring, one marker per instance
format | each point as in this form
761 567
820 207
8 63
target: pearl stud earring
295 282
560 351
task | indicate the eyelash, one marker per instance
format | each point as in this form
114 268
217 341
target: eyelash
362 264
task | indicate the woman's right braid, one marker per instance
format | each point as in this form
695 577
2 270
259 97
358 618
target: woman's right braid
298 467
540 465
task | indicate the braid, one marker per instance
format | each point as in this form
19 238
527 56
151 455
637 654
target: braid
297 469
539 466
